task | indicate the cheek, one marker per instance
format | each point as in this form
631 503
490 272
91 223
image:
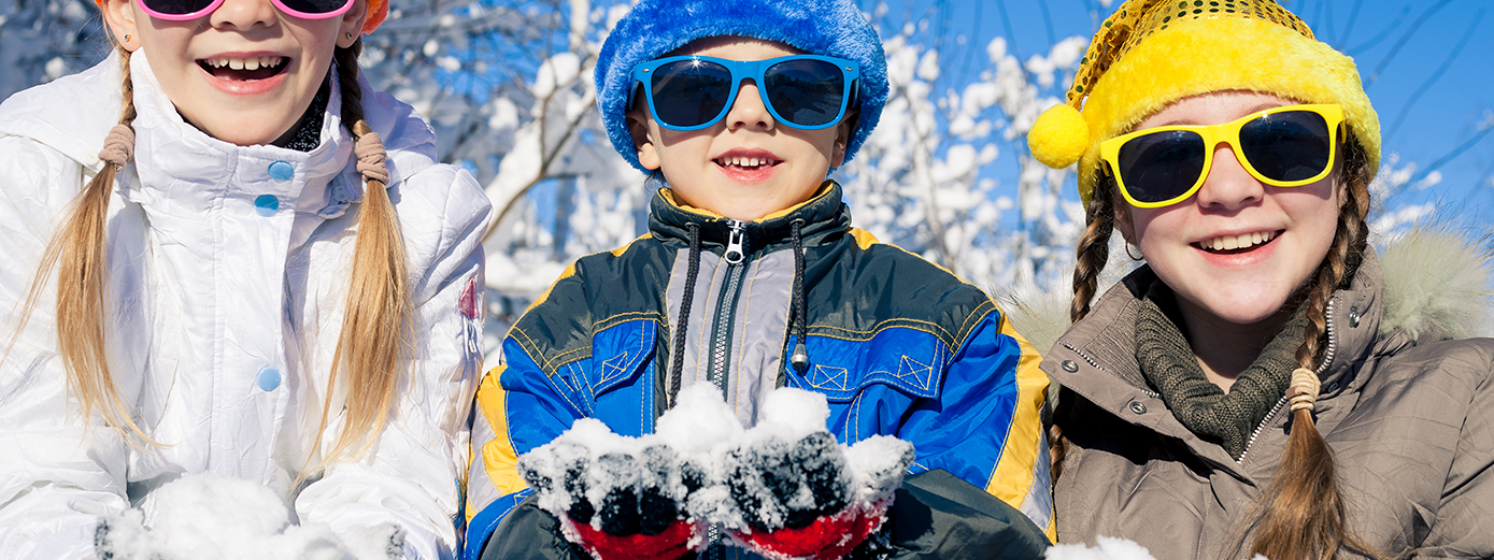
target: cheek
1149 226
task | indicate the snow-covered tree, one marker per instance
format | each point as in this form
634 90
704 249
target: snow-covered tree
508 86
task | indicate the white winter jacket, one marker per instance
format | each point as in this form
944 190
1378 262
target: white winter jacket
228 269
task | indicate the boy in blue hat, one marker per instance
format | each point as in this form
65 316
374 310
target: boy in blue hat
751 278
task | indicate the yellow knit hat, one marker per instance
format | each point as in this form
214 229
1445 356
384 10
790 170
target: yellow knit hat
1151 53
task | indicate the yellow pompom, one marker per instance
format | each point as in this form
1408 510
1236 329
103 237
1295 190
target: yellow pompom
1059 137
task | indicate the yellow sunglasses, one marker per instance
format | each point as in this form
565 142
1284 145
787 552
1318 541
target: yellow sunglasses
1286 146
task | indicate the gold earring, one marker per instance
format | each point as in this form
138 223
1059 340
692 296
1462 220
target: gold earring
350 35
127 37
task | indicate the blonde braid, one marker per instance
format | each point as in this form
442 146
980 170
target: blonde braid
78 252
376 325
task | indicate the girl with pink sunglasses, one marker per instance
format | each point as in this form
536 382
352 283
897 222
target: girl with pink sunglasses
226 254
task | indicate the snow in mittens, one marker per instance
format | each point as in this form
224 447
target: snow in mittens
784 472
1106 548
215 516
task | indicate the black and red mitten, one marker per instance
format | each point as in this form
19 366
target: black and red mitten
795 498
624 504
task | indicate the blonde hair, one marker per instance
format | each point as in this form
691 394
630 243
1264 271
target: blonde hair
376 328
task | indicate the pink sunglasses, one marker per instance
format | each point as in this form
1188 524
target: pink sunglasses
182 10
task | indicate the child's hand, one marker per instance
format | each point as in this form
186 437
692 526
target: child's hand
806 500
622 504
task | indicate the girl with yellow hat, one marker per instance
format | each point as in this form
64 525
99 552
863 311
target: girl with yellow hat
1265 383
226 254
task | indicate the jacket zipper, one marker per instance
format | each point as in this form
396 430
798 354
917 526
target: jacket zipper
735 257
1327 360
1096 365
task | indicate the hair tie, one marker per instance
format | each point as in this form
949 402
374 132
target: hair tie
371 155
1306 383
119 145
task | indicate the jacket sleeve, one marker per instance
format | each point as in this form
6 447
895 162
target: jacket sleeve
58 471
518 408
986 426
1461 525
412 475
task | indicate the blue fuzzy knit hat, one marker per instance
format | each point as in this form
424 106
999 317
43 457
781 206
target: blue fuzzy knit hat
655 27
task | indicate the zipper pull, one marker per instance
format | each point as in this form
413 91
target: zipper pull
735 240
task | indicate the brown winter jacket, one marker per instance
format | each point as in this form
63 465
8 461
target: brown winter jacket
1408 412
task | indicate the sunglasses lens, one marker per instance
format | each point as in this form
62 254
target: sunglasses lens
806 92
315 6
176 7
1287 146
1161 166
689 93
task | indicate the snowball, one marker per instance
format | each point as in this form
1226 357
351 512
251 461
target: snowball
699 421
215 516
792 414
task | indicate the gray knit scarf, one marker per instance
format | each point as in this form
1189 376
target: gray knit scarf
1170 367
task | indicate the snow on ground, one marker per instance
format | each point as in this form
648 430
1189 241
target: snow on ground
215 516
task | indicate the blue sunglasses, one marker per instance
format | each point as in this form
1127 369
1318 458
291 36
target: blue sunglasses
804 91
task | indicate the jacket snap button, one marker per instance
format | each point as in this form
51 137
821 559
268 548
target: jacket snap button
269 378
1331 387
281 171
1070 366
266 205
1354 317
1138 408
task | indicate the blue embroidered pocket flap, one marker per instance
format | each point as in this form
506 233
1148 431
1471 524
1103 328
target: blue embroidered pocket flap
906 359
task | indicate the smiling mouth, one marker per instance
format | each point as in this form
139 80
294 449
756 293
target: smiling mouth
746 163
1236 244
244 69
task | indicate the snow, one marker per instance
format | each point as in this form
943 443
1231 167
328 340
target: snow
783 472
1107 548
216 516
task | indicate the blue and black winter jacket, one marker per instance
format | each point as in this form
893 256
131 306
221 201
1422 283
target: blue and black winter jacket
898 346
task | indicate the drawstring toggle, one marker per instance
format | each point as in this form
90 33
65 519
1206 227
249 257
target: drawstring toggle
800 357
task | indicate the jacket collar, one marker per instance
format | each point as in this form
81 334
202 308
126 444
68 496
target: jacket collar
73 115
824 217
1096 357
175 160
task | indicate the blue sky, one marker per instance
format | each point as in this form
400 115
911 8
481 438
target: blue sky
1428 105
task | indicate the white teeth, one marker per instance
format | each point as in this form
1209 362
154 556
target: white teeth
1230 242
747 162
253 63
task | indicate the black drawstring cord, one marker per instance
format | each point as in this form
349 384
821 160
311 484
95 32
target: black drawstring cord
800 358
682 324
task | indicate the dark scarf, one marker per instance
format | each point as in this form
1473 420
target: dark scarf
1170 367
309 128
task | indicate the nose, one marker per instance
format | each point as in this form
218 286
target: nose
1229 186
748 111
244 14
